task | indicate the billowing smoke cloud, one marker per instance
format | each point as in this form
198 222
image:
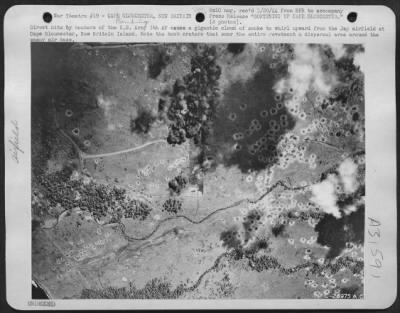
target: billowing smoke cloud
325 192
338 50
359 60
348 174
305 72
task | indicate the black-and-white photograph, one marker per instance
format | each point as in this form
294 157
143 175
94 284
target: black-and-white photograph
197 171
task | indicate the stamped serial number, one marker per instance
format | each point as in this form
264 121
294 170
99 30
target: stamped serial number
376 255
347 296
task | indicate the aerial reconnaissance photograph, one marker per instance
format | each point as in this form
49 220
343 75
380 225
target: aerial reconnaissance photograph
197 171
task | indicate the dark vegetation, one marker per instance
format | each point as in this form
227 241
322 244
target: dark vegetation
177 184
158 61
135 210
236 48
155 289
278 229
142 123
100 200
194 99
172 206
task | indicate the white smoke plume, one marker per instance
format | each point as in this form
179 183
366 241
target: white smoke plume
348 173
359 60
325 192
338 50
305 72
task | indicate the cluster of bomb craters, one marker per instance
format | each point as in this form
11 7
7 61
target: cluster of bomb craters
63 191
251 122
345 103
250 119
